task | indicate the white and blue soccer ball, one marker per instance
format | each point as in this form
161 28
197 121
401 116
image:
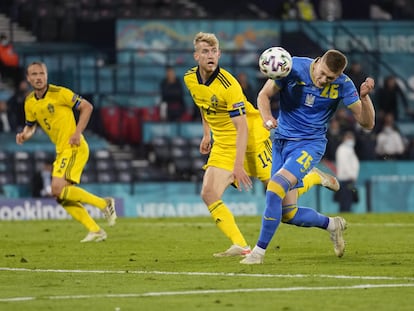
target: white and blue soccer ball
275 63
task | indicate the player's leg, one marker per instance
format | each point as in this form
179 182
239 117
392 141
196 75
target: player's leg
79 213
215 182
75 193
314 178
262 171
293 214
304 216
67 170
317 177
277 189
307 217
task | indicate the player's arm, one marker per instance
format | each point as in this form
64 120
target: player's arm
363 110
25 134
268 90
85 111
205 144
240 175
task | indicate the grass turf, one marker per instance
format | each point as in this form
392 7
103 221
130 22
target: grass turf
167 264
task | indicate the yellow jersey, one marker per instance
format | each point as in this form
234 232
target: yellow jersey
53 112
220 99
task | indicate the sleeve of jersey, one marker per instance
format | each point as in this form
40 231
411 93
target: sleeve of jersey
350 95
235 102
70 98
238 110
30 119
280 83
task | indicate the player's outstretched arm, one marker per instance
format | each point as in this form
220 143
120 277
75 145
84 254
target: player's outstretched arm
26 134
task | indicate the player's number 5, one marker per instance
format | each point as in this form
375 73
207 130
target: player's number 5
47 124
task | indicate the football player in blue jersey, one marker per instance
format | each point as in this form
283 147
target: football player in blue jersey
309 97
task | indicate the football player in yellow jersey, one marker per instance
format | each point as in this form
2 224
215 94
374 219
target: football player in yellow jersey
50 106
242 146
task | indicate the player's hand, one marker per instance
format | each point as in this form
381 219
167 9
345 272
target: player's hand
20 138
270 123
242 180
366 87
74 140
205 145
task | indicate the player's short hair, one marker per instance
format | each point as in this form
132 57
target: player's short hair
335 60
36 63
209 38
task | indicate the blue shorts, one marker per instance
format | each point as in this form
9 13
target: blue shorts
297 156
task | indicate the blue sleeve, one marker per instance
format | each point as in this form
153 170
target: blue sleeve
350 93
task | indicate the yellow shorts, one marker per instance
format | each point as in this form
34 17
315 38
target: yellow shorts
70 162
257 163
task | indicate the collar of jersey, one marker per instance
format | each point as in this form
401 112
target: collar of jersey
209 80
44 94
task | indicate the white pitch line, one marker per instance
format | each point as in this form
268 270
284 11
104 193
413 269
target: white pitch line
222 274
212 224
210 291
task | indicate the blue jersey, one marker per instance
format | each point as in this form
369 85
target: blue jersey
305 109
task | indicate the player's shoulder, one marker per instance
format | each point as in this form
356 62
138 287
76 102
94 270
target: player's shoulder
30 96
190 73
57 88
224 73
300 69
226 78
345 83
190 76
301 61
345 79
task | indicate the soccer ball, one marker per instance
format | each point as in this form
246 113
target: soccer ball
275 63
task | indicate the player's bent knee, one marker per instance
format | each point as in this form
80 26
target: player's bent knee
56 192
57 186
208 196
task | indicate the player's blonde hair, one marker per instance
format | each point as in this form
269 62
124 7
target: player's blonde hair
42 64
335 60
209 38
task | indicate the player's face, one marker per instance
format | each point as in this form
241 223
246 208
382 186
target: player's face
37 76
207 56
321 75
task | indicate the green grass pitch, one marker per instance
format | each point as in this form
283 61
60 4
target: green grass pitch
167 264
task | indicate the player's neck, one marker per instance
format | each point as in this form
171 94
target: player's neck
205 75
40 93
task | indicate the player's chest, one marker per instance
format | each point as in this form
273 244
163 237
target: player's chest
312 96
207 98
45 108
329 92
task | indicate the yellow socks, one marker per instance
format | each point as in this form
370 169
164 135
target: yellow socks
311 179
79 213
76 194
225 222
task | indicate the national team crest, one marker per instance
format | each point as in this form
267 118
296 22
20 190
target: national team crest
50 108
309 100
214 101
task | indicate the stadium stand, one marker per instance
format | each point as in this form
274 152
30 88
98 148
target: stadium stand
125 93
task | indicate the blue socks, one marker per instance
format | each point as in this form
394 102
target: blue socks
276 190
308 217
